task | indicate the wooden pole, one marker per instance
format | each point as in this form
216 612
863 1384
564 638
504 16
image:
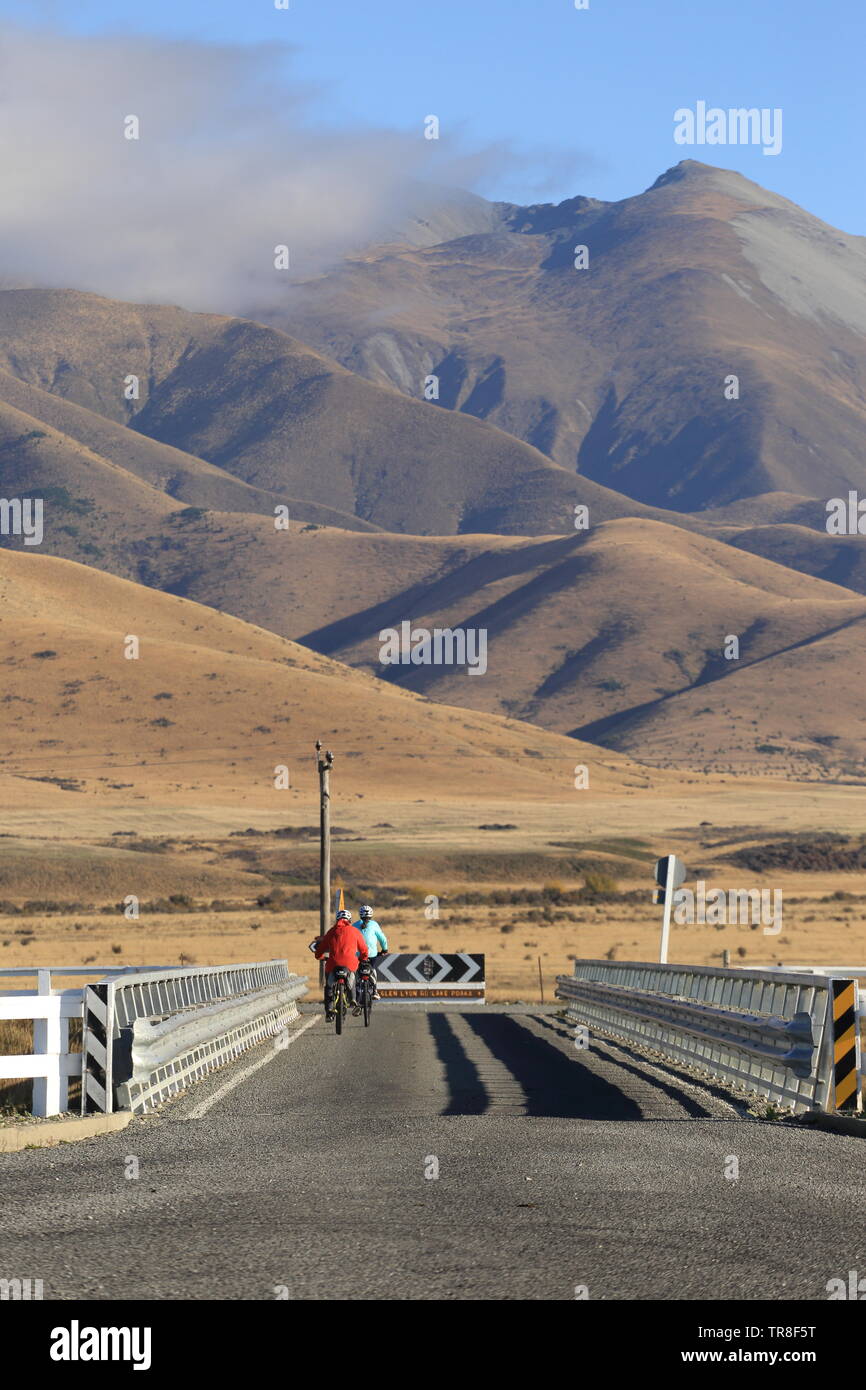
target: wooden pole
540 980
324 766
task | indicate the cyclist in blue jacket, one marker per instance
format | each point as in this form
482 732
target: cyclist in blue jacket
377 941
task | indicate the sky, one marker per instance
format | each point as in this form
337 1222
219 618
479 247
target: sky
320 109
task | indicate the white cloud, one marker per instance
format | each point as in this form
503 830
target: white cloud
228 166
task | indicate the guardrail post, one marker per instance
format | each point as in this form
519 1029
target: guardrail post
97 1094
846 1045
49 1091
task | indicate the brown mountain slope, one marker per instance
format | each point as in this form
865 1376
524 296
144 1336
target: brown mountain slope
178 475
212 705
88 501
584 632
838 559
276 416
618 371
797 713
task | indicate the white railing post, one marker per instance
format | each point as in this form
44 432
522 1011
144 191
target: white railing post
49 1091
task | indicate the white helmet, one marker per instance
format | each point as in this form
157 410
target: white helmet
366 910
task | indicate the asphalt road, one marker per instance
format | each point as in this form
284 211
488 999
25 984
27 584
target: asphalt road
556 1169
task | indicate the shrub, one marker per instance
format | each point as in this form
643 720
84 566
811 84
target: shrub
596 881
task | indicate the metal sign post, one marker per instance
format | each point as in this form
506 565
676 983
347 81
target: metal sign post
670 873
324 765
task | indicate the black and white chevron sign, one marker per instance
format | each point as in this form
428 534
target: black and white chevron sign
429 975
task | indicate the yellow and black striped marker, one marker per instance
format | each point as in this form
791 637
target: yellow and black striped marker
845 1045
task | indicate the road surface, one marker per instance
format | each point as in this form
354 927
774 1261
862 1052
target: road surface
557 1170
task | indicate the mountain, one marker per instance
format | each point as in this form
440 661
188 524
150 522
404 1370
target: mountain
585 633
212 705
277 423
618 371
619 636
404 511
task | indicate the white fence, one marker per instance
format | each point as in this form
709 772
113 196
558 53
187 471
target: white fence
50 1063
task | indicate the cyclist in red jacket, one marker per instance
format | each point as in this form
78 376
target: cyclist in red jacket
344 946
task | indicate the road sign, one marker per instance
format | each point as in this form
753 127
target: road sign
669 867
670 873
429 975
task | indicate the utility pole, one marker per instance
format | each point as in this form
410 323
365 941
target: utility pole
324 765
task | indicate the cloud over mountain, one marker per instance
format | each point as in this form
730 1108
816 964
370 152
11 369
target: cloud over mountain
231 161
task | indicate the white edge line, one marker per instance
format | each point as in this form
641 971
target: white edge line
205 1105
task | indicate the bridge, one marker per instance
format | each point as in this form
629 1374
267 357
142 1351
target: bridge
450 1152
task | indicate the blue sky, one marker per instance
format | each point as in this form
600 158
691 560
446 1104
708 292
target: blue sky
582 100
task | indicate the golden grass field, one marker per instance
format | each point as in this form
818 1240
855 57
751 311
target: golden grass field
533 903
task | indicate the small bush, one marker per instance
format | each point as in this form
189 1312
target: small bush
596 881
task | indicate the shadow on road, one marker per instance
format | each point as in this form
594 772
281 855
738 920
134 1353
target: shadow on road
555 1083
691 1106
467 1091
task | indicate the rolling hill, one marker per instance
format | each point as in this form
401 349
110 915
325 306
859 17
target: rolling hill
585 633
212 705
238 416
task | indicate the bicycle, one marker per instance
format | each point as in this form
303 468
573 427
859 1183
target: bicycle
366 990
341 1002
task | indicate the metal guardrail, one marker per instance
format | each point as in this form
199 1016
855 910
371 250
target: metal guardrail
792 1037
149 1034
180 1050
838 972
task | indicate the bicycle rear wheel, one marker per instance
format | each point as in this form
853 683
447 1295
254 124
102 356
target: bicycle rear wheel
368 1005
341 1009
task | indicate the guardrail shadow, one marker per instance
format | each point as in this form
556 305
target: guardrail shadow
554 1083
693 1107
468 1094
